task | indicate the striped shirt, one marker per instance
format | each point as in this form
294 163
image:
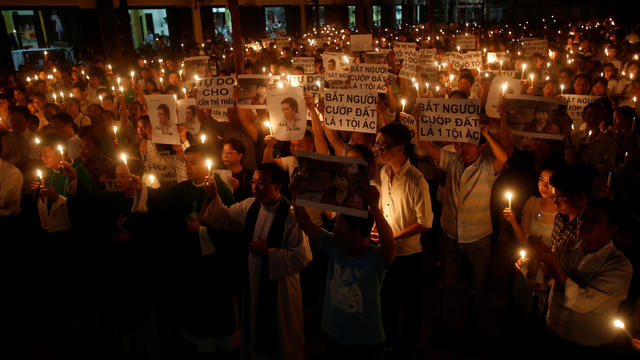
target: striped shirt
466 214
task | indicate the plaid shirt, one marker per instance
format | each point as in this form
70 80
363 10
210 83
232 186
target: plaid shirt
563 231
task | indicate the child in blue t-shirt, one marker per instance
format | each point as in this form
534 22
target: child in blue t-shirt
351 315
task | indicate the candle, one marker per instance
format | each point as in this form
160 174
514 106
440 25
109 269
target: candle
37 140
39 173
118 80
123 156
609 179
524 66
589 136
61 151
620 325
55 97
626 155
500 65
522 254
185 92
133 74
509 196
531 76
203 138
504 88
403 102
115 131
100 98
561 88
209 165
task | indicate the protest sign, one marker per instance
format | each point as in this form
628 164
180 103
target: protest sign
536 116
256 46
225 175
360 42
508 73
575 105
308 64
287 113
309 83
466 42
429 73
370 77
496 57
187 115
408 121
220 114
283 42
333 183
409 65
470 60
427 56
400 49
163 117
534 46
449 120
266 42
215 92
336 69
252 90
377 57
195 65
495 93
165 173
351 110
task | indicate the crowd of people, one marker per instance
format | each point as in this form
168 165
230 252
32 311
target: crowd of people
115 244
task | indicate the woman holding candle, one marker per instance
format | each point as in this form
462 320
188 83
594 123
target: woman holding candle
537 220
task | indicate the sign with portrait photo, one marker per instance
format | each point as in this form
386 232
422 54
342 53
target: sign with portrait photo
287 113
536 116
333 183
188 115
163 117
252 90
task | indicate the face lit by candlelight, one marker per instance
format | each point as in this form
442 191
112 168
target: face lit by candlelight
49 157
196 167
545 188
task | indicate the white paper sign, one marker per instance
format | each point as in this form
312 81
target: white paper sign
188 116
495 93
360 42
163 117
195 65
216 92
533 46
427 56
575 105
308 64
409 65
401 49
287 113
449 120
336 69
351 110
466 42
371 77
252 90
309 83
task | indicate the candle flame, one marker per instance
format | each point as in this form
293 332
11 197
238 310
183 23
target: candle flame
522 254
123 156
209 164
509 195
115 129
618 323
267 124
203 138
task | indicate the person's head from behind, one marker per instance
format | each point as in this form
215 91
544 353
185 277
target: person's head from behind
598 223
50 146
62 124
304 144
393 144
351 232
362 138
233 151
572 187
267 181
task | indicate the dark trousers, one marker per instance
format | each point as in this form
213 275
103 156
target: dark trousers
400 296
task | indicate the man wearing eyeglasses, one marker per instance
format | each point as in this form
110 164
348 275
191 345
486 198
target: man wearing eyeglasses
278 251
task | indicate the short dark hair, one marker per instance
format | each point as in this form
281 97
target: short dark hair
278 176
63 117
400 135
21 110
574 179
53 140
468 77
236 145
363 225
201 149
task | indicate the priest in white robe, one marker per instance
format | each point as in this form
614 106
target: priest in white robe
272 318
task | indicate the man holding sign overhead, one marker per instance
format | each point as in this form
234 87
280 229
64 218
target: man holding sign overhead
466 215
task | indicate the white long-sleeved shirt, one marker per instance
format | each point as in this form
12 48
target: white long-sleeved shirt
581 310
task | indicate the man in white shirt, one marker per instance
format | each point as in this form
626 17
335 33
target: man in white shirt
590 278
406 204
278 252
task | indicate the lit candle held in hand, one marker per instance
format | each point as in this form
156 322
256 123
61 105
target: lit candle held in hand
509 196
